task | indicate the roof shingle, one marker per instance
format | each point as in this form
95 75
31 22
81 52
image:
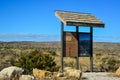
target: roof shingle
78 19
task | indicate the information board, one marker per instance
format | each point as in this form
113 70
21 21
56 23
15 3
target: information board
69 44
84 44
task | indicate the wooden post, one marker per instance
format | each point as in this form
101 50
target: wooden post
91 47
77 52
62 29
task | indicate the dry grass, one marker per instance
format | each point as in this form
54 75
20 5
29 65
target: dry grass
9 51
84 62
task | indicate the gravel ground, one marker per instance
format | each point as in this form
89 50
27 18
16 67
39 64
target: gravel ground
98 76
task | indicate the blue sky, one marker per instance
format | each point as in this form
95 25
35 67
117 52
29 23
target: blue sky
20 19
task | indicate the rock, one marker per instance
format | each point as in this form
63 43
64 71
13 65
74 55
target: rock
117 72
26 77
41 73
67 68
3 77
60 75
73 72
12 72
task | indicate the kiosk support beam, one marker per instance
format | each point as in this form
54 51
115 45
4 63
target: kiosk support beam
91 47
62 29
77 52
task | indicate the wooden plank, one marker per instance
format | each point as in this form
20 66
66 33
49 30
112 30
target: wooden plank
84 24
91 46
78 19
77 51
70 42
62 29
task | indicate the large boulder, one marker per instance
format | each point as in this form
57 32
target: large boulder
26 77
9 73
117 72
60 74
68 71
41 73
3 77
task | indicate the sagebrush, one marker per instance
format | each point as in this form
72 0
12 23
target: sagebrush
35 59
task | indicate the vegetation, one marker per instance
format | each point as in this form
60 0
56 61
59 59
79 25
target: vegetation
109 64
52 52
35 59
106 55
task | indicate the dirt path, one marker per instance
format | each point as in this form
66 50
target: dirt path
98 76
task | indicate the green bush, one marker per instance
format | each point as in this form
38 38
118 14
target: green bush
52 52
35 59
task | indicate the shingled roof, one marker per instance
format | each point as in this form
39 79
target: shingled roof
78 19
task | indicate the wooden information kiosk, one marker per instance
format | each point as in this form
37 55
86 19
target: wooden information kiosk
77 44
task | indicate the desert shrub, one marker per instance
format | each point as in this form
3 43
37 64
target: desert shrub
69 64
52 52
35 59
98 54
7 58
109 64
113 64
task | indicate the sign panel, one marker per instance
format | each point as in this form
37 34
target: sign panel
84 44
69 44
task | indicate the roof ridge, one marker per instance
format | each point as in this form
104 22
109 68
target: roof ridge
71 12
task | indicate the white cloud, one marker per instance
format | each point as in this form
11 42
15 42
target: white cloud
106 38
28 37
45 37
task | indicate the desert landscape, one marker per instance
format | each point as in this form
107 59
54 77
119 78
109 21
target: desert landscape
106 56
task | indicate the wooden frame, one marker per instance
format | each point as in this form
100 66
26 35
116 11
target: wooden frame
77 19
